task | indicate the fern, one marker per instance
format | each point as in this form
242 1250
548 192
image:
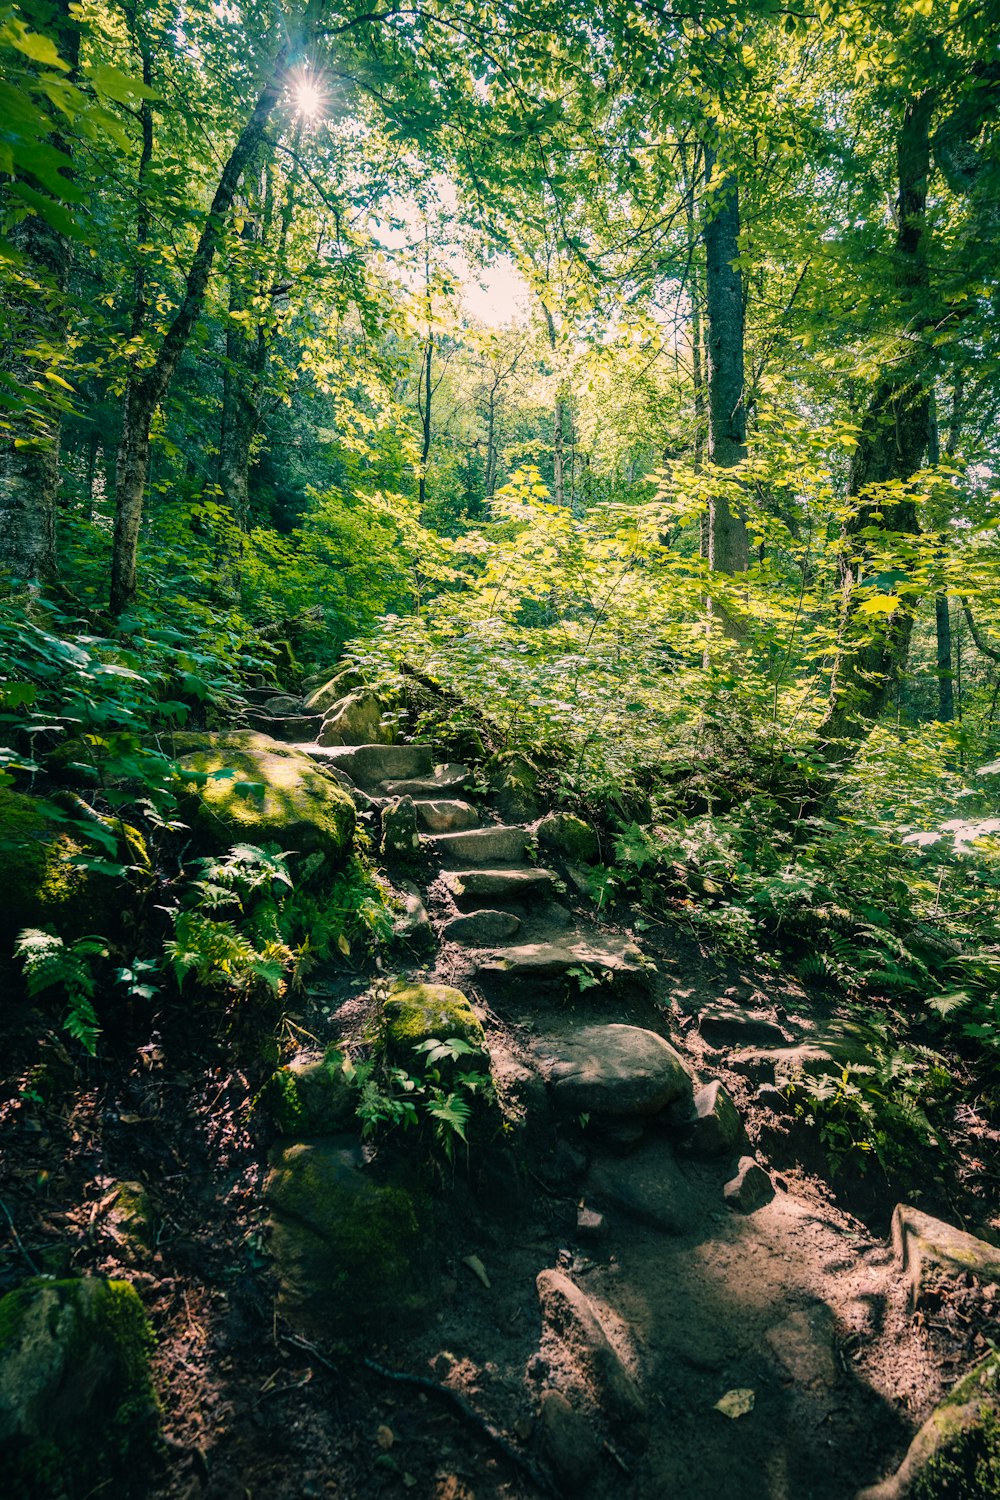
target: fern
50 964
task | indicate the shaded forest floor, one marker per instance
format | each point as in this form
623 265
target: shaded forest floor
799 1302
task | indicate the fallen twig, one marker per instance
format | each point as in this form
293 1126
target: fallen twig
17 1238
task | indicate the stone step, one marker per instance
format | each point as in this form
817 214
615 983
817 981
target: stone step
289 728
608 958
482 929
371 765
443 816
442 780
497 845
508 887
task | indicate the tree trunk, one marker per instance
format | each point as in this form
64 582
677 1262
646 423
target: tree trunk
491 443
560 414
29 455
728 550
891 445
144 393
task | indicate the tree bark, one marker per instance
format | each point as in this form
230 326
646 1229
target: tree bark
145 392
891 445
728 550
29 455
560 415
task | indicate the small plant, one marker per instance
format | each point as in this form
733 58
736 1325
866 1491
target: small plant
50 964
440 1097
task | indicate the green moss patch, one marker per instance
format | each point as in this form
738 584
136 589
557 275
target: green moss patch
271 797
346 1249
78 1410
414 1013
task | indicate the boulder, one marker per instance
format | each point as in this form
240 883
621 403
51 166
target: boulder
41 882
78 1411
371 766
649 1187
567 1442
956 1453
355 720
614 1070
400 838
414 1013
570 1319
729 1026
481 928
268 797
926 1246
715 1128
310 1095
514 783
582 958
282 705
569 837
346 1250
326 693
750 1189
439 783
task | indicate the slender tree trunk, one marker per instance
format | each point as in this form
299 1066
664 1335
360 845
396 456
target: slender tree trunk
29 455
728 550
891 446
491 443
560 415
942 611
145 392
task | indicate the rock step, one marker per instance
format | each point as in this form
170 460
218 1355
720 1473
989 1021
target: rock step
289 728
443 779
444 816
371 765
499 845
509 886
481 929
608 958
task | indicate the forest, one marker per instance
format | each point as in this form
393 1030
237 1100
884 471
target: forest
500 749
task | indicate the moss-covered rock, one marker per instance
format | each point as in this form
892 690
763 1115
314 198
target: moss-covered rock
78 1410
332 689
563 834
130 1221
956 1454
275 796
400 838
355 720
41 884
514 781
346 1250
310 1096
414 1013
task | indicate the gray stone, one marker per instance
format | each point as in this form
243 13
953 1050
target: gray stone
567 1442
441 781
372 765
283 705
78 1410
355 720
804 1346
750 1189
727 1026
446 817
649 1187
784 1066
481 928
515 788
413 925
497 845
516 886
570 1318
613 961
569 837
129 1221
285 728
399 829
926 1247
614 1070
715 1128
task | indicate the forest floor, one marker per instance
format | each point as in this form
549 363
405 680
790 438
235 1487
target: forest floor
800 1302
